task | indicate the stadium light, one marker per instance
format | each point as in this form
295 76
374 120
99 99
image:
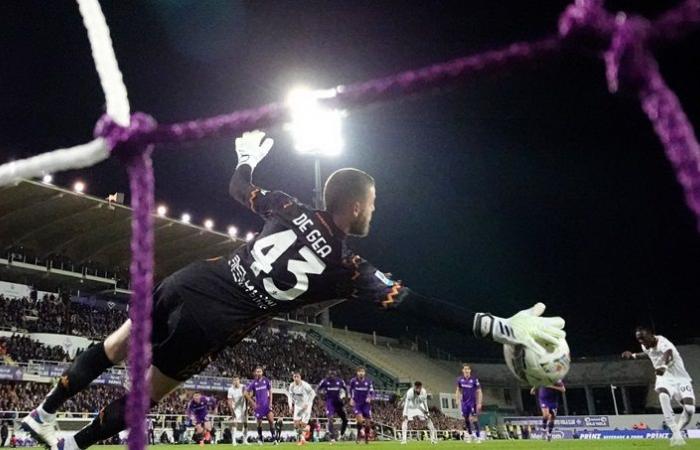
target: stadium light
316 130
249 236
232 231
47 179
186 218
79 187
162 210
208 224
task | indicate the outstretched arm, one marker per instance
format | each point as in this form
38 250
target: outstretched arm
629 355
526 328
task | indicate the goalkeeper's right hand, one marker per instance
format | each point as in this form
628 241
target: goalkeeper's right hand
252 147
524 328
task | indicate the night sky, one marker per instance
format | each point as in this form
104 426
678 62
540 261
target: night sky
535 184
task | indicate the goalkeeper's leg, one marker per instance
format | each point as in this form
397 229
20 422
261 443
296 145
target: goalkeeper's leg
110 420
89 365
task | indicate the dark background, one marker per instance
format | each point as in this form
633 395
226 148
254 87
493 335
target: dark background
532 185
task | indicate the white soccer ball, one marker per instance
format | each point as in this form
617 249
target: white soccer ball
538 368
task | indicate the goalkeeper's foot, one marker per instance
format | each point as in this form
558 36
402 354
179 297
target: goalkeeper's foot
43 429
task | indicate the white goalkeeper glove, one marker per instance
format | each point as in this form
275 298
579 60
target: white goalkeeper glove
252 148
525 328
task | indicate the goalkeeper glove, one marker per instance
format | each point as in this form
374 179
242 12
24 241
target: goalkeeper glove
252 148
525 328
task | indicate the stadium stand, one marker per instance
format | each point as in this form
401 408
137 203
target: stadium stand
401 364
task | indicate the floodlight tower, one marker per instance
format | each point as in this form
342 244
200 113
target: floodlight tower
317 132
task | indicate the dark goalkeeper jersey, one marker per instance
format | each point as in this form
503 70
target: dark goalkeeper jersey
300 257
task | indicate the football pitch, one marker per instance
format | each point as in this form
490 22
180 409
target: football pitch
616 444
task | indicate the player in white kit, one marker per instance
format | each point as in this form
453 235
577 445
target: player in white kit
237 404
301 401
672 380
416 407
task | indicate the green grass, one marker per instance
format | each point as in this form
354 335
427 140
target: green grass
489 445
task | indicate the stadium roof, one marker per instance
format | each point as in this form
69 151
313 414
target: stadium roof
50 220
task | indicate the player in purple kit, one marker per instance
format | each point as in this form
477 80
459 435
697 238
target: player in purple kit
330 387
198 413
361 395
548 399
469 395
259 395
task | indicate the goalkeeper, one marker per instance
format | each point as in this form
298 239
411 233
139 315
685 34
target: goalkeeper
299 258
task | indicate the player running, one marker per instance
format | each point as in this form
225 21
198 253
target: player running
300 258
237 404
548 399
672 380
259 396
361 395
330 387
301 401
197 412
469 395
416 407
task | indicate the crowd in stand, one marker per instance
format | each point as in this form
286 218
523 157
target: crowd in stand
22 348
53 315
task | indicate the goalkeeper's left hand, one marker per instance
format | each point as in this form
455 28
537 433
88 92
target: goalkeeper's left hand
525 328
252 147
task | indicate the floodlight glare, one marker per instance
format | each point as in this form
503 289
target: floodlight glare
186 218
315 129
249 236
232 231
208 224
48 179
162 210
79 187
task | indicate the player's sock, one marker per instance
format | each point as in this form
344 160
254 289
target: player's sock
272 432
667 410
476 428
404 428
544 424
468 426
686 416
343 425
367 433
108 422
86 367
433 431
234 430
331 428
260 433
550 427
359 428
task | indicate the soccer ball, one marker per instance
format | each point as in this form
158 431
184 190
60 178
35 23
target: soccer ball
538 368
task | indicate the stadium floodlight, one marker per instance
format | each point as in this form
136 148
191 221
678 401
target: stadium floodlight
249 236
79 187
47 179
316 129
232 231
208 224
186 218
162 210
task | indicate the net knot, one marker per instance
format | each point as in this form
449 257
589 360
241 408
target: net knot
624 40
628 59
126 141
